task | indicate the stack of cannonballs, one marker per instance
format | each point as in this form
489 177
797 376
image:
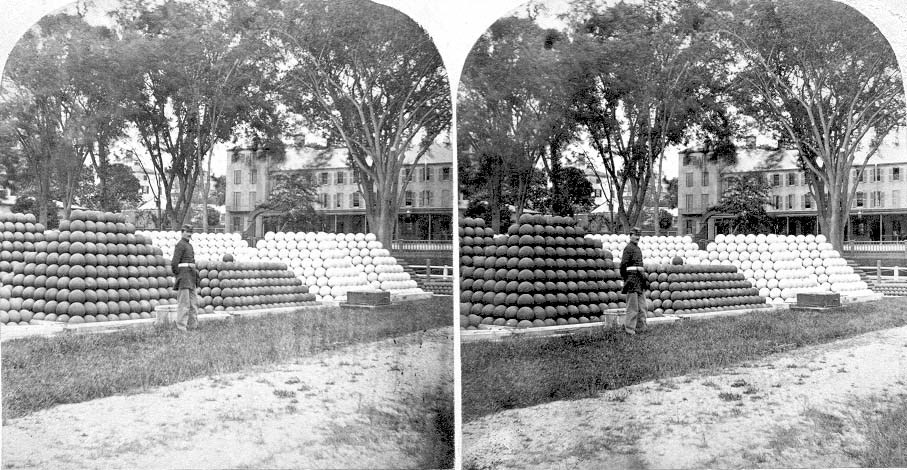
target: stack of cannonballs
677 289
232 286
94 268
332 264
782 266
18 235
544 272
892 289
656 250
207 246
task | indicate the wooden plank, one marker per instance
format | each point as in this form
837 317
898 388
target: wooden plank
499 333
257 313
731 313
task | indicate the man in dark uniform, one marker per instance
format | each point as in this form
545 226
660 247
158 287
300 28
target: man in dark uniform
634 276
183 266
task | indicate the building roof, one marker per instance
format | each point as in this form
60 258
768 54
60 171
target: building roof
309 157
892 151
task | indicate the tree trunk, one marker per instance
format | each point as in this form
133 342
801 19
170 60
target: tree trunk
658 195
558 205
42 210
495 184
208 191
382 221
835 232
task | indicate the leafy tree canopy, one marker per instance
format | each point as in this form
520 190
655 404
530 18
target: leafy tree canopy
745 199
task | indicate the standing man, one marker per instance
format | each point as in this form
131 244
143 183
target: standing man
183 266
634 276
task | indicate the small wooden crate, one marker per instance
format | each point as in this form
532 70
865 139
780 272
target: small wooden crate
819 300
371 298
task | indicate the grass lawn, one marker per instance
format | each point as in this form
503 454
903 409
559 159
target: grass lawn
886 436
522 372
39 373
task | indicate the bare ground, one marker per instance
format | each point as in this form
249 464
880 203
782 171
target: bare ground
797 409
367 406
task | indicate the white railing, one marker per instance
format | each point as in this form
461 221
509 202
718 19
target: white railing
876 247
422 245
881 273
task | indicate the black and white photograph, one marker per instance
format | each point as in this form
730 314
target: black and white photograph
681 236
226 238
464 234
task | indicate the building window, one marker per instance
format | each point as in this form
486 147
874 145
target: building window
705 178
705 201
688 201
429 173
407 175
354 199
408 199
340 177
445 173
237 176
690 180
776 201
776 179
876 174
878 199
895 198
420 174
355 176
807 201
425 199
791 179
338 200
858 174
790 201
237 223
323 177
253 176
860 199
237 199
896 174
445 197
253 198
690 225
597 192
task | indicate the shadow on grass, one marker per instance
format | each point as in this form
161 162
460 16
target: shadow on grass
523 372
39 373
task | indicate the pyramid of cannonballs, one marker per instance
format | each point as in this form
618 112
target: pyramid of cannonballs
782 266
207 246
18 235
232 286
332 264
544 272
95 268
677 289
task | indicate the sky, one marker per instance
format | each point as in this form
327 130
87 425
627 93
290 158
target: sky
454 25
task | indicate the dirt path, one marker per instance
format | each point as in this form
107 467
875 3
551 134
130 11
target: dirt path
370 405
790 410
